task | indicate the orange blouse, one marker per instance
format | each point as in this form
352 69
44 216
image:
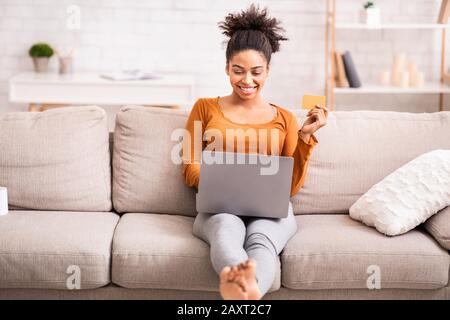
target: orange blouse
207 121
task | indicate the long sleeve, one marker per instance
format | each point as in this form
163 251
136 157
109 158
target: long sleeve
301 151
193 144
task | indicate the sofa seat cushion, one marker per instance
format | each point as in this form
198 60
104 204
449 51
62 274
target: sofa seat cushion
159 251
38 248
336 252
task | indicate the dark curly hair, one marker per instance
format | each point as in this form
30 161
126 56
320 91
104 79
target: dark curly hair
252 29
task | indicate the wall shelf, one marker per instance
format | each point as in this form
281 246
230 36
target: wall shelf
387 26
442 87
433 88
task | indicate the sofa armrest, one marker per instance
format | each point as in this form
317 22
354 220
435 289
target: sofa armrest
439 227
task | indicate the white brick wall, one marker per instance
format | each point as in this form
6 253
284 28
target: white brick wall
181 36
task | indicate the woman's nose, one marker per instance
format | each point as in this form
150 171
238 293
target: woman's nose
248 79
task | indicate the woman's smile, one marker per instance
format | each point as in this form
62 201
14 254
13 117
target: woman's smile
248 90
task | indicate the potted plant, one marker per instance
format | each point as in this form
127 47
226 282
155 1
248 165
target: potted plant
41 53
370 14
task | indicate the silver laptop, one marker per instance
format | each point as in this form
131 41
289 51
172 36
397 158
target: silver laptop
245 184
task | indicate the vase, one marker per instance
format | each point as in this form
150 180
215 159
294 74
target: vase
371 17
40 64
65 65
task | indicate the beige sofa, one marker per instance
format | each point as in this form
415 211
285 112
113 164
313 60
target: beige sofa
125 226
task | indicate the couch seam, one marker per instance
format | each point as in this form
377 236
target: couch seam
180 113
48 281
54 254
106 182
362 253
282 256
57 114
147 282
157 255
364 280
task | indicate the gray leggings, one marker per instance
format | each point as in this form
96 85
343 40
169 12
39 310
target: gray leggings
234 239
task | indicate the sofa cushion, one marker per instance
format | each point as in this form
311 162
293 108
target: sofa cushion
408 196
336 252
439 227
145 177
56 160
372 143
37 249
357 149
160 252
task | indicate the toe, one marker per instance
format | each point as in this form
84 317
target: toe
251 264
242 283
225 273
225 270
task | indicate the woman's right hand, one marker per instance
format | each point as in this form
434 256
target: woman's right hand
316 119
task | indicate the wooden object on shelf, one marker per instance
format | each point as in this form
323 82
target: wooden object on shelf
444 12
341 78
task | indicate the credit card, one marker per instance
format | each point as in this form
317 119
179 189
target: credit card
310 101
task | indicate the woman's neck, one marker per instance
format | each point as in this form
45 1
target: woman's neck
256 102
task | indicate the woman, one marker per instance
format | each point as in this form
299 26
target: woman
244 251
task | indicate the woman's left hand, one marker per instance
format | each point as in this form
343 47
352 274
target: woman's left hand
317 118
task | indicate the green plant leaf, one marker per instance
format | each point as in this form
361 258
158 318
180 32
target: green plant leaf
41 50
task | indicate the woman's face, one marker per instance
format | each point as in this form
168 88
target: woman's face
248 70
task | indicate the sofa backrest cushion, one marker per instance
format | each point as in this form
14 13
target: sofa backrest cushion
357 149
56 160
145 179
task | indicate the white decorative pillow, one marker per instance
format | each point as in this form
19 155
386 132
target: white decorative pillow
408 196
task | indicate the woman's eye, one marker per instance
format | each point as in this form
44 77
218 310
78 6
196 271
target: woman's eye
254 73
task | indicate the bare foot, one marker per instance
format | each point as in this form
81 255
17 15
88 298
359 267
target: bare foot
232 284
248 271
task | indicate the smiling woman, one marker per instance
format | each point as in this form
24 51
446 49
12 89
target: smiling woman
253 37
244 252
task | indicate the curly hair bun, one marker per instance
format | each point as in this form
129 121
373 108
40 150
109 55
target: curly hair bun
254 19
